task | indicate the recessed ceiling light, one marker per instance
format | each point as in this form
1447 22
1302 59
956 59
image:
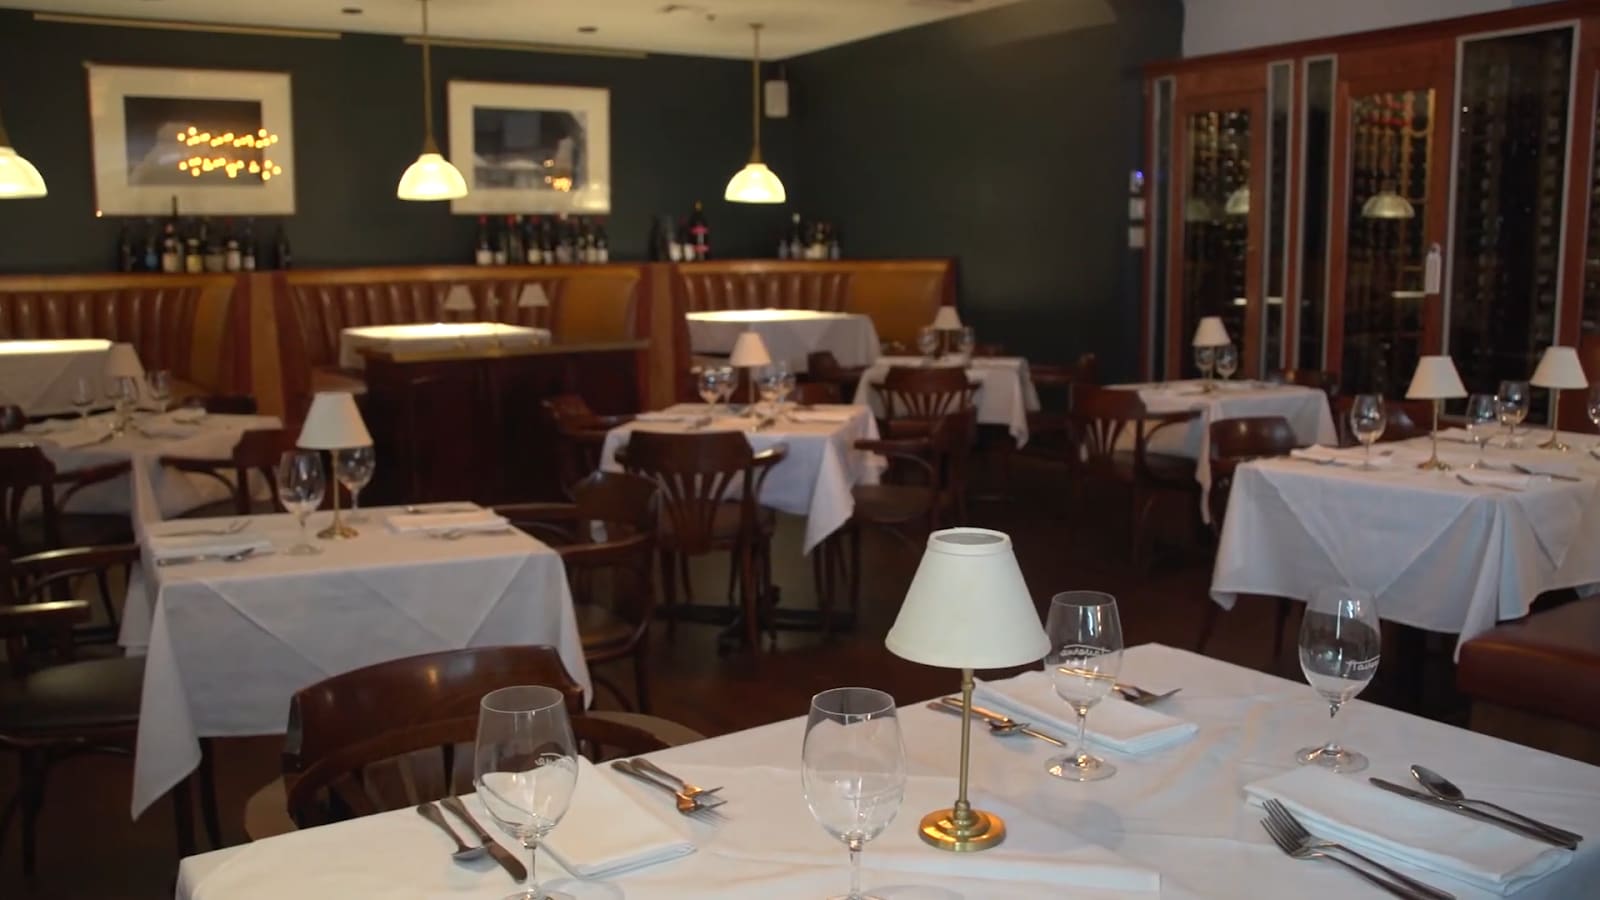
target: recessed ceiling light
587 29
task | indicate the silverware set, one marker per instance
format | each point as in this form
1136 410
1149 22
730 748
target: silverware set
692 800
1442 793
999 725
1485 484
465 852
1555 476
233 557
1293 839
456 534
234 527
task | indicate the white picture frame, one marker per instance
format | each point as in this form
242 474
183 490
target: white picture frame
570 127
136 114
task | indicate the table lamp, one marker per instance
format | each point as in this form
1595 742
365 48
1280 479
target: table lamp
459 300
122 363
946 321
532 296
334 423
967 608
1436 379
750 352
1210 333
1558 368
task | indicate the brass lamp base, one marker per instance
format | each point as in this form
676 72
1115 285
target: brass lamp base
939 829
1433 463
1555 443
337 530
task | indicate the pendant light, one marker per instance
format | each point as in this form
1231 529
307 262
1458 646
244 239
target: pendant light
431 177
18 178
1388 204
755 183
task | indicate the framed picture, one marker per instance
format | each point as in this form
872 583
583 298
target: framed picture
531 148
221 142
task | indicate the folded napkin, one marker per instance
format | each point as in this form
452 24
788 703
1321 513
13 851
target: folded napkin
475 520
205 545
1351 811
1515 480
1113 723
606 831
165 427
189 415
73 438
1456 435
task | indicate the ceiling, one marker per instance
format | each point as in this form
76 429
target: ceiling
693 27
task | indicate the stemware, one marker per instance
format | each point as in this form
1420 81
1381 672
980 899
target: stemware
706 385
1511 404
1227 361
353 467
786 383
525 767
1205 358
769 388
159 383
966 342
83 398
928 343
1594 414
300 488
1339 649
1085 656
853 769
1367 420
1482 416
726 382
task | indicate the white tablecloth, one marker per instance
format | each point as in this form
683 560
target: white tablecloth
155 492
42 376
433 337
789 334
1005 397
1181 811
1306 410
228 643
1438 554
816 475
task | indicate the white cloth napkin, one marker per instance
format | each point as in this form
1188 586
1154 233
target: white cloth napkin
475 520
74 437
1353 812
605 831
205 544
1113 723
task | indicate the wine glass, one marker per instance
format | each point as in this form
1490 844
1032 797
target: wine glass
726 382
300 488
1227 361
525 767
966 341
1204 359
1085 656
1482 416
1367 421
853 769
1511 404
353 467
769 387
159 383
1594 414
786 383
706 387
928 343
1339 648
83 399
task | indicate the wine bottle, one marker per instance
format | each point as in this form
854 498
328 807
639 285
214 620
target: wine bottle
514 252
124 250
547 242
151 260
797 248
531 254
700 232
678 250
247 250
498 254
232 259
602 245
485 254
658 241
214 260
835 251
564 240
194 260
285 259
171 250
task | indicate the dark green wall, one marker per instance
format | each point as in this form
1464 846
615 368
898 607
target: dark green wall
1003 139
679 129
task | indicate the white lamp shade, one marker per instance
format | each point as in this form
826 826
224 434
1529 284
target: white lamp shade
750 351
947 319
532 295
333 423
1238 202
122 361
1388 205
1436 378
1559 368
755 183
431 177
18 178
459 299
1211 333
968 607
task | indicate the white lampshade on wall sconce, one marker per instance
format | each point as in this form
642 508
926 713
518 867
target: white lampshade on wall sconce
755 183
1558 369
431 177
19 180
459 300
1436 379
947 319
334 423
967 608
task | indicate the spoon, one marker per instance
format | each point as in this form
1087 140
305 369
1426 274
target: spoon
1141 697
1445 789
463 853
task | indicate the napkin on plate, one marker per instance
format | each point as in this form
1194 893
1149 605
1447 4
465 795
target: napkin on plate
1113 723
606 831
474 520
205 544
1351 811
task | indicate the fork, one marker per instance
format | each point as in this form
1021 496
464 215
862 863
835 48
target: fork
684 786
1289 847
1279 814
702 806
1141 697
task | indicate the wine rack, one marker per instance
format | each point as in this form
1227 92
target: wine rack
1216 219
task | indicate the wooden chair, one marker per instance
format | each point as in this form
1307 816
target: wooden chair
914 397
582 435
813 393
1099 419
226 404
399 733
1234 442
1404 419
12 419
53 705
1049 431
25 469
1326 382
610 578
697 474
822 367
258 451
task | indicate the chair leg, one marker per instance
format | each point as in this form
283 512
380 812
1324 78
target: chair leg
854 566
669 589
641 677
208 793
1208 624
35 768
752 602
819 577
1277 633
183 818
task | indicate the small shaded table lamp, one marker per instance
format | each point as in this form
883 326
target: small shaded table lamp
750 352
334 423
122 363
459 300
1436 379
1209 335
947 322
1559 368
968 608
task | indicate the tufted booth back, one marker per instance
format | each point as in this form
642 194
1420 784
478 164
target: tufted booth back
712 288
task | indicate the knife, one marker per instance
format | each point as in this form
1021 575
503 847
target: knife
501 855
1471 813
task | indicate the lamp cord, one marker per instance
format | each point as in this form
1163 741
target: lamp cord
428 144
755 98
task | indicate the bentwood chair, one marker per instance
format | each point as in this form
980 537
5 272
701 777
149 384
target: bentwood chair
54 705
1110 433
822 367
1049 431
710 484
1326 382
610 575
257 452
224 404
1234 442
581 433
26 473
1404 419
812 393
913 397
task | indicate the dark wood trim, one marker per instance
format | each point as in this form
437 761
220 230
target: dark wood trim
1580 168
1295 182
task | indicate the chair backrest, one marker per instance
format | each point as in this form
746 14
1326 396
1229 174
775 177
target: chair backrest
1235 441
229 404
258 450
578 442
22 469
42 582
568 410
927 392
822 365
1403 419
810 393
1099 417
1327 382
12 418
695 473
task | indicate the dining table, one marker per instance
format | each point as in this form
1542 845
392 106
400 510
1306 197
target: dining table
231 622
1448 551
1006 392
820 466
421 339
790 335
1181 818
41 376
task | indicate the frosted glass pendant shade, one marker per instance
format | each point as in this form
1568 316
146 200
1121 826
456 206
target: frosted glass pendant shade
20 180
431 177
755 183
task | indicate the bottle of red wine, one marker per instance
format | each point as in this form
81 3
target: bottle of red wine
171 249
700 232
547 242
285 258
835 250
531 254
151 259
485 254
680 250
564 241
602 245
232 258
797 247
194 259
247 250
124 250
214 259
498 254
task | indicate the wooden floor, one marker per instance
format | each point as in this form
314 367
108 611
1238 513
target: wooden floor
88 846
